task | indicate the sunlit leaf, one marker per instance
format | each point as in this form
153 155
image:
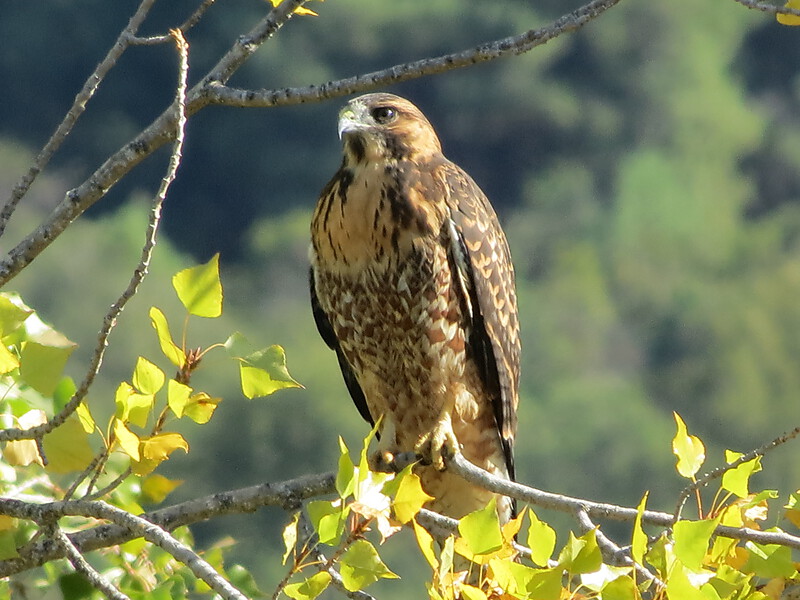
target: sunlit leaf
447 556
8 545
200 407
128 441
327 519
156 487
481 529
13 313
770 560
361 566
469 592
65 390
688 448
199 289
409 499
160 446
639 541
168 347
426 544
310 588
67 447
132 406
8 360
264 373
622 588
541 540
691 541
41 365
736 480
290 536
789 19
581 554
679 586
300 10
177 397
20 453
345 475
147 377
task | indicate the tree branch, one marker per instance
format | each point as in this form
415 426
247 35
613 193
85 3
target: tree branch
770 8
74 113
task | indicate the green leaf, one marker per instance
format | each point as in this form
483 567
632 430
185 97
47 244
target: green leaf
769 560
581 555
264 373
410 498
736 480
481 530
75 586
170 349
541 540
327 519
147 377
13 312
133 407
679 587
8 360
201 407
41 365
361 566
639 542
199 289
691 541
310 588
8 545
688 448
177 397
622 588
85 417
544 584
345 475
67 447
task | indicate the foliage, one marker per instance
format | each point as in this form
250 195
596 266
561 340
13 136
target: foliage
115 461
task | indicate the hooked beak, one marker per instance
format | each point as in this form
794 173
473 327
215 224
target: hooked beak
348 121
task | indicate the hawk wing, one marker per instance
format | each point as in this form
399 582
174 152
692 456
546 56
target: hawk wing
481 261
329 336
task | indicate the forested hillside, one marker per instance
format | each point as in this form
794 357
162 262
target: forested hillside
646 170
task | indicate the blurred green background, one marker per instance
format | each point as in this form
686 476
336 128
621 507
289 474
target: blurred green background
645 170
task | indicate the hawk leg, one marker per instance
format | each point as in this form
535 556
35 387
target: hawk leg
439 443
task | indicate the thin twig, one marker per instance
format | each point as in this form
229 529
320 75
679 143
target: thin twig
770 8
74 113
720 471
142 269
190 22
82 566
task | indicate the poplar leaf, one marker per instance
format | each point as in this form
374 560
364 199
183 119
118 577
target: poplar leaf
345 475
327 519
426 544
410 498
67 447
691 541
41 365
147 377
736 480
24 452
688 448
156 487
481 530
13 313
168 347
8 360
789 19
469 592
160 446
201 407
290 536
199 289
541 540
86 419
581 554
177 397
128 441
310 588
639 541
361 566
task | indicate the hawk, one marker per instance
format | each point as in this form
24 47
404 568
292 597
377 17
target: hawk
412 286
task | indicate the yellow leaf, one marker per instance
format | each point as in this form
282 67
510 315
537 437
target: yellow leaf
8 360
87 422
425 543
128 441
639 542
24 452
67 447
178 396
157 487
789 19
170 349
409 499
160 446
201 407
688 448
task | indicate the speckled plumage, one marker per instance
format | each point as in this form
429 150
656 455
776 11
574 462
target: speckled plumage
412 286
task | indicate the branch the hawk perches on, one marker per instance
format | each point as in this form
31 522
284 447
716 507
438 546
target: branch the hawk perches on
412 286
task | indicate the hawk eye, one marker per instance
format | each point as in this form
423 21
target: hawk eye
383 114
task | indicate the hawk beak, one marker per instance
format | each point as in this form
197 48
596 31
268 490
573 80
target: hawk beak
348 121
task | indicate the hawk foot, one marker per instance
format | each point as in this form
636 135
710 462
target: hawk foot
437 445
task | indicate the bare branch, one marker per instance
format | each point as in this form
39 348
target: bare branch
82 566
74 113
720 471
513 45
142 269
770 8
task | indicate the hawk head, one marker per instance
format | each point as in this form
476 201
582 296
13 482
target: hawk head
385 128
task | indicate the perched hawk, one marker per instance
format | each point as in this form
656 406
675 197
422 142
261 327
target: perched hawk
412 286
